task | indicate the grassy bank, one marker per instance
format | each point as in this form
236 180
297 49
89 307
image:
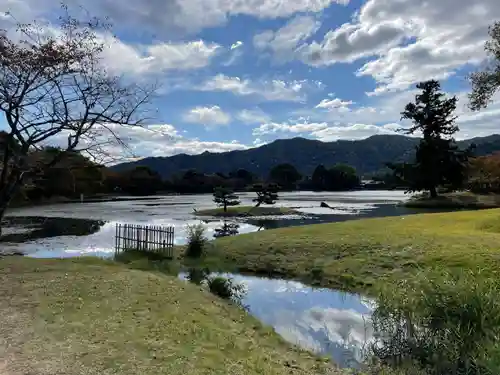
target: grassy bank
88 316
356 255
245 211
457 200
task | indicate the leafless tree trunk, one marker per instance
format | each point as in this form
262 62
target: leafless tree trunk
53 90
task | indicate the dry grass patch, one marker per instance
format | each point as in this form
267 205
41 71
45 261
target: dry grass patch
88 316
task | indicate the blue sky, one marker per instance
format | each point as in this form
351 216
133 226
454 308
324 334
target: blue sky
236 74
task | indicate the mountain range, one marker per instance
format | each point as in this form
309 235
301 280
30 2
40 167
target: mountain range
368 156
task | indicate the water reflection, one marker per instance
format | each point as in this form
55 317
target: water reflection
324 321
228 228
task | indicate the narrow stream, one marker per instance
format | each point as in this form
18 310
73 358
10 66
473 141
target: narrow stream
324 321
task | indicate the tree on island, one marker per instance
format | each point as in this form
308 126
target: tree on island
266 194
486 83
225 197
438 160
286 175
54 90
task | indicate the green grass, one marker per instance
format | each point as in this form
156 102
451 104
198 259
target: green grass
237 211
456 200
446 324
358 255
88 316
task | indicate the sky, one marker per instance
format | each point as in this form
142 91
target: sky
236 74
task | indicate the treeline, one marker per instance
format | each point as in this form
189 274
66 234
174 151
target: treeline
142 180
75 174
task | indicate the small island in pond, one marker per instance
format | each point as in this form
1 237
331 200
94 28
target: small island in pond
245 211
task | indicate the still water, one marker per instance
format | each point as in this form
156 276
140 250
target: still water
324 321
65 230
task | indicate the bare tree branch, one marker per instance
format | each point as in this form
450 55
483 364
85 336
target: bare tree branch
54 85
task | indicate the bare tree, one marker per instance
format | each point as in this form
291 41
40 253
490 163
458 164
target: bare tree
53 86
486 83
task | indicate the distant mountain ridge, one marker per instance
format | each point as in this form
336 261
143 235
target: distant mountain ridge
367 155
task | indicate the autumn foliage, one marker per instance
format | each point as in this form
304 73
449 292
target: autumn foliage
484 174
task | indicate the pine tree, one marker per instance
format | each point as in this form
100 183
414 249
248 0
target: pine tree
266 194
225 197
438 160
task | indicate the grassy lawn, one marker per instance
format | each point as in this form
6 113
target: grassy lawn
246 211
356 255
88 316
456 200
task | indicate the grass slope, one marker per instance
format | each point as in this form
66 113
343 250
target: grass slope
237 211
95 317
356 255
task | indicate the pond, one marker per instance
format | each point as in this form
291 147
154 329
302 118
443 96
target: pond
324 321
73 229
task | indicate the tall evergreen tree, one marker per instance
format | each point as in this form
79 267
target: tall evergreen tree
438 161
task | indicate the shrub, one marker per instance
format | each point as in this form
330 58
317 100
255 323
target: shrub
444 324
198 275
317 274
196 240
225 288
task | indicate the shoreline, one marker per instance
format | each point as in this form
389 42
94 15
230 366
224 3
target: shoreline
458 200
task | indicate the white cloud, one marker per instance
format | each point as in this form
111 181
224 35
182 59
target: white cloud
324 131
353 131
284 42
175 16
335 104
273 128
257 142
208 116
382 115
237 44
351 42
376 109
156 140
165 140
120 57
387 109
253 116
274 90
409 40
